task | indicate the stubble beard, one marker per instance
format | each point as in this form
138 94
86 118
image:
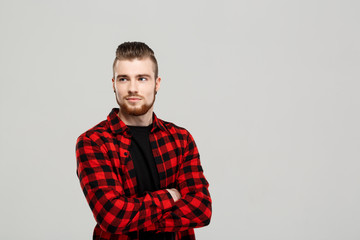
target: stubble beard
135 111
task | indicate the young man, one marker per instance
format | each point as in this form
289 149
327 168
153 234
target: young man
141 176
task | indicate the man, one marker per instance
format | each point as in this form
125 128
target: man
141 176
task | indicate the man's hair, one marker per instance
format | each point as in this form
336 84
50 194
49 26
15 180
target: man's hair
133 50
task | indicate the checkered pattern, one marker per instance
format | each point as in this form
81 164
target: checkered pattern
107 178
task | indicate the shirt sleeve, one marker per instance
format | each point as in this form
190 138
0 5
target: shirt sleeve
113 211
194 208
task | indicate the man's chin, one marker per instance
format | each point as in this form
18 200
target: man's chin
135 111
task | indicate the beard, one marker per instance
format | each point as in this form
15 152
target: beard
135 110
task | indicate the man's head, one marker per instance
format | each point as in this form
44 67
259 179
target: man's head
133 50
135 80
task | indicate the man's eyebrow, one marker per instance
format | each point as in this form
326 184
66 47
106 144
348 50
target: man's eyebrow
138 75
143 75
121 76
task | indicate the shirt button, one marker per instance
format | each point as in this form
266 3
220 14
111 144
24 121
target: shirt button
125 153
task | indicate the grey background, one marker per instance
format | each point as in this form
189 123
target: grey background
268 89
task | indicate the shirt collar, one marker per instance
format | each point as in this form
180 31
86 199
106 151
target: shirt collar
118 126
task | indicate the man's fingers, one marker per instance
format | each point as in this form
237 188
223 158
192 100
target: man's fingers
174 193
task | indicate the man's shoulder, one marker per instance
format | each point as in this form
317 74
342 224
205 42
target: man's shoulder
173 128
179 135
97 132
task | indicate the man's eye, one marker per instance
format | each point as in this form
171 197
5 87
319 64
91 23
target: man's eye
142 79
122 79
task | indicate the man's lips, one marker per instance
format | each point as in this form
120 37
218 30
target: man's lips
133 99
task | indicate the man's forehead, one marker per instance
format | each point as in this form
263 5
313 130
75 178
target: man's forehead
136 65
145 60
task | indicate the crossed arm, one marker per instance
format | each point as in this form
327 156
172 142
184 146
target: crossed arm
169 210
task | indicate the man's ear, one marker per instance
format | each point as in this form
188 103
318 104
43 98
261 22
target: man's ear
157 84
113 83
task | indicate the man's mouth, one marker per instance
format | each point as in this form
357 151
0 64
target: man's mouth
133 99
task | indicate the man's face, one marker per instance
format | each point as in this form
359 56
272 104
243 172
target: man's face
135 85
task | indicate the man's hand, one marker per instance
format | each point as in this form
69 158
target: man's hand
174 193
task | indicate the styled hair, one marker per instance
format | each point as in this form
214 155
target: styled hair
133 50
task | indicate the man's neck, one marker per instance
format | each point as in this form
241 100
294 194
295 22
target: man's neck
130 120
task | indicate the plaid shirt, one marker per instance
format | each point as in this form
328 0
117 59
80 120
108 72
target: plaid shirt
108 180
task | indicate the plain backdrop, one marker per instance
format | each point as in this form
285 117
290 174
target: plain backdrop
268 89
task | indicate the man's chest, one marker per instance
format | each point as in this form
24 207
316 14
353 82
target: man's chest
167 153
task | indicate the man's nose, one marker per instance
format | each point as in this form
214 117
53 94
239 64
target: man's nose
133 86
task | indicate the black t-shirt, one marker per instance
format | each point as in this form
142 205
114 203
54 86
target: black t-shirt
147 175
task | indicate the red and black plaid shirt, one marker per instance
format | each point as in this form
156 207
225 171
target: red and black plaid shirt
108 180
